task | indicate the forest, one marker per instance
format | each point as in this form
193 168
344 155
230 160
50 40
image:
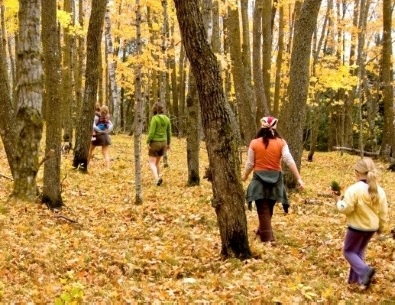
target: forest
76 232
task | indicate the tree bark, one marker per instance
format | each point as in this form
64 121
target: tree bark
388 143
262 107
113 94
228 196
266 52
292 122
52 68
29 121
243 89
279 62
84 128
193 139
67 81
7 123
139 111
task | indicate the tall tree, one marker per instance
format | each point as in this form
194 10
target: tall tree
67 81
294 111
243 89
7 124
259 87
193 139
387 79
80 59
228 195
53 132
84 128
113 101
279 61
267 48
138 112
29 121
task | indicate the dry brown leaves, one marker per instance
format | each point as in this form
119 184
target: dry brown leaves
167 249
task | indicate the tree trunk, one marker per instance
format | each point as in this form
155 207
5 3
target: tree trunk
246 45
29 121
174 89
244 94
181 91
163 73
67 82
84 128
193 139
228 196
295 110
8 130
80 63
52 68
267 50
388 144
138 113
113 94
259 87
279 62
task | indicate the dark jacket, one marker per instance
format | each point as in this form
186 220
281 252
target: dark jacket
267 185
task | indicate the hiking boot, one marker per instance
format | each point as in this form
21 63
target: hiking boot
367 277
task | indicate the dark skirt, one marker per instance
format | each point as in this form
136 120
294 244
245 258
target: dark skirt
102 139
267 185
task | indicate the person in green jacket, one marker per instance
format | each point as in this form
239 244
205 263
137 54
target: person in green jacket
158 140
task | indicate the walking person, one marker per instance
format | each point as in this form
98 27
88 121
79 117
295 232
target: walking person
365 205
158 140
264 157
102 126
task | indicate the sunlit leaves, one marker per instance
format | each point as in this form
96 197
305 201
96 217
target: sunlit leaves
334 78
167 249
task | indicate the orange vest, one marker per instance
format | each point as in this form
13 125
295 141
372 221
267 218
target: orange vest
267 158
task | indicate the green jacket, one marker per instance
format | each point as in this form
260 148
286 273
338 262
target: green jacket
159 129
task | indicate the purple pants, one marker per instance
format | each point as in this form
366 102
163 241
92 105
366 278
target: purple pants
354 251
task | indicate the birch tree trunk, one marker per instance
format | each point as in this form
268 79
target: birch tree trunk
29 121
113 94
7 123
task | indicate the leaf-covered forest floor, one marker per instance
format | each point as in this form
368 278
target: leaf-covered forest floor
167 250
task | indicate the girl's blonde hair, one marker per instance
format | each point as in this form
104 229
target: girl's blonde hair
104 109
367 167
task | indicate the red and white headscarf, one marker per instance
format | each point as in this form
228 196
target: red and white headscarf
269 122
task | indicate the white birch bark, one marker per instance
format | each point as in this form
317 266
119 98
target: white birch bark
113 94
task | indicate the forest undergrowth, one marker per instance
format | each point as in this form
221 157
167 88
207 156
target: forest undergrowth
102 248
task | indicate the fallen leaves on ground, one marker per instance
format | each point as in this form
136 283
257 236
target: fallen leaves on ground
103 248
